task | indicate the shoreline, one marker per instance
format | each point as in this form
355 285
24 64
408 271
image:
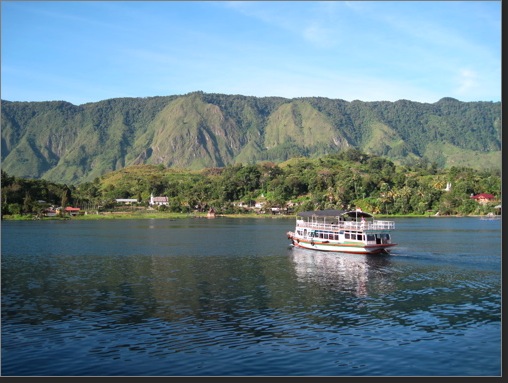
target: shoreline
163 215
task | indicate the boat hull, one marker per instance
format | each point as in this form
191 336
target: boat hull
354 248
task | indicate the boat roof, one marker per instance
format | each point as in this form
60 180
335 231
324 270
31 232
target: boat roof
333 213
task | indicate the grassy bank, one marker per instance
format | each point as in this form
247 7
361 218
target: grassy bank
167 215
138 215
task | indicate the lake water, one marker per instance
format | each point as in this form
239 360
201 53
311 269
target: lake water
218 297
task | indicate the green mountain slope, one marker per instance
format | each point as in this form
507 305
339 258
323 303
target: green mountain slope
188 133
62 142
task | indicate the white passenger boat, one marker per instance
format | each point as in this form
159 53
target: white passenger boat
342 231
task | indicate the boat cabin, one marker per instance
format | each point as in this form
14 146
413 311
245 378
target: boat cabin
344 226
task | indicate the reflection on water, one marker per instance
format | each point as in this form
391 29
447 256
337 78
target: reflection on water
340 272
226 297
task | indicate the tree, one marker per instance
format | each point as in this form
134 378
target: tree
401 199
27 203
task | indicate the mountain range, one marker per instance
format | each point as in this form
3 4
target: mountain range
62 142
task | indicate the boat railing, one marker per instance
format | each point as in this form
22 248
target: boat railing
349 225
383 225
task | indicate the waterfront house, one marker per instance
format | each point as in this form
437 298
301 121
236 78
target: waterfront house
50 212
483 198
158 200
74 211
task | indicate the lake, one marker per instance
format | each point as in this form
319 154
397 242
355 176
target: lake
229 297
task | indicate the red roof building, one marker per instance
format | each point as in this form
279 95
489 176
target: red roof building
72 210
483 198
68 208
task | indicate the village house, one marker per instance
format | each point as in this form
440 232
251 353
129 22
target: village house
73 211
259 205
483 198
158 200
50 212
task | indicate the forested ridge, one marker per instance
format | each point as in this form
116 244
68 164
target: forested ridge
345 180
62 142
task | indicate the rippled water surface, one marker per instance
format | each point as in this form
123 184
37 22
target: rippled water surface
229 297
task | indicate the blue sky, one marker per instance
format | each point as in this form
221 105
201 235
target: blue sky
87 51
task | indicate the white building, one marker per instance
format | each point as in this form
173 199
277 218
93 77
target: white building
158 200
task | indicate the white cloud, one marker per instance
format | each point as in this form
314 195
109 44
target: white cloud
319 35
467 81
314 22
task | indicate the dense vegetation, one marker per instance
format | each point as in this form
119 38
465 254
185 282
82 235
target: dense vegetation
348 179
62 142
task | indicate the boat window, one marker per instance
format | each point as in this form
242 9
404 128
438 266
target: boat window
359 237
371 237
346 236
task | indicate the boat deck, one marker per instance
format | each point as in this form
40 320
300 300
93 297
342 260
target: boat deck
348 225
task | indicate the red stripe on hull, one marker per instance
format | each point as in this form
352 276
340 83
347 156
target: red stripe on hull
376 248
